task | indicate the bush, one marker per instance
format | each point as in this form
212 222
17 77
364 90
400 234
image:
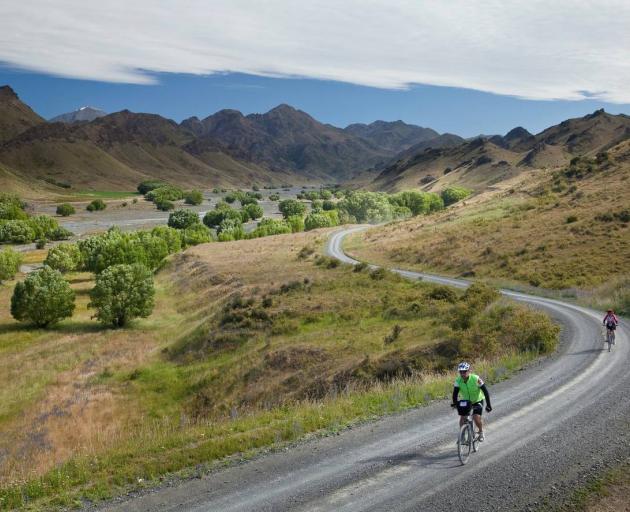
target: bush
274 197
122 293
171 236
165 192
194 197
221 212
149 185
296 223
96 205
316 205
40 243
252 211
451 195
231 229
182 219
230 198
44 226
571 219
328 205
255 188
195 235
64 257
11 207
60 233
291 207
43 298
418 202
65 209
10 262
320 220
366 206
164 205
268 227
16 231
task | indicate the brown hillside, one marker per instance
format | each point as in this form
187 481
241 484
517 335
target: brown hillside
15 116
555 229
485 161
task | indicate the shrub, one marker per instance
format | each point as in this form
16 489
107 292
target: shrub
195 235
393 335
360 267
43 298
16 231
40 243
366 206
165 192
252 211
122 293
418 202
11 207
274 197
65 209
328 205
325 194
571 219
230 198
194 197
182 219
64 257
164 205
378 274
440 292
451 195
60 233
171 236
43 226
96 205
305 252
319 220
230 229
10 262
317 205
291 207
268 227
296 223
149 185
221 212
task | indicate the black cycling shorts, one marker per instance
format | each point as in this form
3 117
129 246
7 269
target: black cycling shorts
611 327
464 407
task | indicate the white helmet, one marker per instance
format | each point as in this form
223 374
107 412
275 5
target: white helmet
463 367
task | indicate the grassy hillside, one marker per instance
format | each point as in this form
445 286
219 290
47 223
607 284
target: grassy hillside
232 360
562 228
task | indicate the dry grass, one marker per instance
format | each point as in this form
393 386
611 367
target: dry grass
542 233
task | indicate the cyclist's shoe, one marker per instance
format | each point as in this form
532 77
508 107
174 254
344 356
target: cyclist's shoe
481 437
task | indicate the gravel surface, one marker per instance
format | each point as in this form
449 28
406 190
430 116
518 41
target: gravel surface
554 425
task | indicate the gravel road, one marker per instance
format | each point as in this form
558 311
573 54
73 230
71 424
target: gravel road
554 425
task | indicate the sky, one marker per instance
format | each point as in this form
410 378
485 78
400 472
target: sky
463 66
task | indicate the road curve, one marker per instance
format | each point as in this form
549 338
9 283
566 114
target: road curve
553 425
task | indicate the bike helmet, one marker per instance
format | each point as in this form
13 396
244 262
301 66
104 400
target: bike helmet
610 311
463 367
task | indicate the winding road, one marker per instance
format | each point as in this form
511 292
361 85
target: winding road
553 426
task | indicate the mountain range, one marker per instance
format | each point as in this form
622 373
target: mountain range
88 149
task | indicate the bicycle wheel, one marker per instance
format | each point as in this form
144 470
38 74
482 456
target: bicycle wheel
464 443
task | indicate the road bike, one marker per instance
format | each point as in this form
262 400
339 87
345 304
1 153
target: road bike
468 438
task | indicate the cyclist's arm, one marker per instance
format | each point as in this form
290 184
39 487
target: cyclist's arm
486 394
455 394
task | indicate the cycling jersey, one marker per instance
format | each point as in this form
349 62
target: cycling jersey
471 389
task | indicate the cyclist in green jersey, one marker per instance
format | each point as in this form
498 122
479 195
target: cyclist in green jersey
473 390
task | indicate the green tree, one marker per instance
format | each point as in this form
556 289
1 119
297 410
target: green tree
16 231
64 257
43 298
149 185
194 197
196 234
122 293
164 205
96 205
221 212
452 195
296 223
291 207
171 236
11 207
318 220
65 209
182 219
230 229
253 212
10 262
366 206
43 226
268 227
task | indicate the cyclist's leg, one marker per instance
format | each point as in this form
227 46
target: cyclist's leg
477 410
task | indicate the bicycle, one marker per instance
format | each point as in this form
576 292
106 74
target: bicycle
468 438
610 337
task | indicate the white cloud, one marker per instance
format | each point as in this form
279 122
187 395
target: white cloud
561 49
